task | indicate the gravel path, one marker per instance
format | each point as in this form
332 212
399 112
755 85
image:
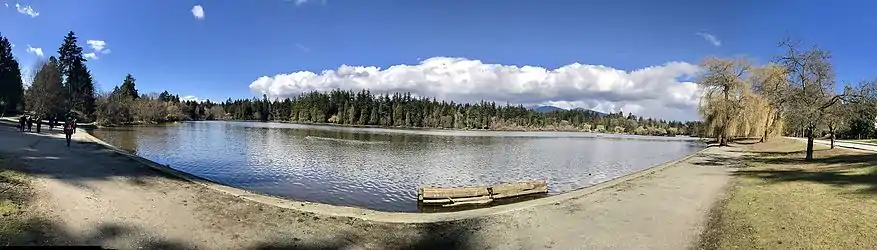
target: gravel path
87 194
843 144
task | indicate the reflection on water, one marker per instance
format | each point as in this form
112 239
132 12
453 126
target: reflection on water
381 168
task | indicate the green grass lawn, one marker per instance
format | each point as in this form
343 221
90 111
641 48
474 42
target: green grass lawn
778 201
18 225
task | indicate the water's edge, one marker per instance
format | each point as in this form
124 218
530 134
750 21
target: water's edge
382 216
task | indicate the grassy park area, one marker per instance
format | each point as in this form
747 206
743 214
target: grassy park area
17 223
780 201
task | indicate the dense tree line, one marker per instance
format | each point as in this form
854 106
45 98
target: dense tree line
347 107
795 95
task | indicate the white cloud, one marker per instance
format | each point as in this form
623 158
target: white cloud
198 12
710 38
99 46
654 91
27 10
36 51
6 4
190 98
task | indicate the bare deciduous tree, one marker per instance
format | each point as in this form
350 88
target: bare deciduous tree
811 82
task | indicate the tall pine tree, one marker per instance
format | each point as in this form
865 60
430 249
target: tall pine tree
78 83
11 86
128 90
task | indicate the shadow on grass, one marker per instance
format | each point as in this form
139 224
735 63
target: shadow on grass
829 166
797 157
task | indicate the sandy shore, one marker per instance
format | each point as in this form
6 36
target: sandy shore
89 194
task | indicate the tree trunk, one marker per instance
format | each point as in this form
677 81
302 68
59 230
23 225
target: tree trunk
832 140
809 145
766 125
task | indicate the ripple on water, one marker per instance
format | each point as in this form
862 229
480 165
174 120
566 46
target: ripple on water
382 170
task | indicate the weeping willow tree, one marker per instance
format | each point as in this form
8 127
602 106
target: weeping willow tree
732 106
724 96
770 83
753 114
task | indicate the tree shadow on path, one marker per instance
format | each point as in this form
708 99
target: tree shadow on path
444 235
46 155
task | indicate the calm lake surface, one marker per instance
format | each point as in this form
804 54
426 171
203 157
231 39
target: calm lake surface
383 168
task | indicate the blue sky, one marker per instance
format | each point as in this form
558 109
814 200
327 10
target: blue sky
236 42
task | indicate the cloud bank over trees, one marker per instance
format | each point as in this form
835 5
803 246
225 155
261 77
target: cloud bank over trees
659 91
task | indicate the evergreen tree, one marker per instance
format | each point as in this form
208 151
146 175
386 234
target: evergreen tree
78 83
11 86
128 90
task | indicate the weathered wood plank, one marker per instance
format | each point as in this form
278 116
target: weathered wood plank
469 201
454 200
520 193
435 201
430 193
516 187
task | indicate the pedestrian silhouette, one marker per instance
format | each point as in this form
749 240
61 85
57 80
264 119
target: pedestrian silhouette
69 127
21 123
29 124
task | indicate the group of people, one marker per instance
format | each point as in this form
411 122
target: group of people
27 122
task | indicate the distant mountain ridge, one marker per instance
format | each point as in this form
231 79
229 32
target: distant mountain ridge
548 109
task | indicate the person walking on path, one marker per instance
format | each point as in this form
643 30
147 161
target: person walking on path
21 123
29 124
39 122
69 129
51 123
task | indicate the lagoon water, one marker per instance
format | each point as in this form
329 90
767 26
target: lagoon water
381 169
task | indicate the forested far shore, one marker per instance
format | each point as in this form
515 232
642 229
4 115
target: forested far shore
362 108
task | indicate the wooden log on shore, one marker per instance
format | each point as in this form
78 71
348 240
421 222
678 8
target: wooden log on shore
507 190
537 190
455 200
460 192
469 201
479 195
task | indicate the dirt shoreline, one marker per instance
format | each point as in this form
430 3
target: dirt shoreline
90 190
